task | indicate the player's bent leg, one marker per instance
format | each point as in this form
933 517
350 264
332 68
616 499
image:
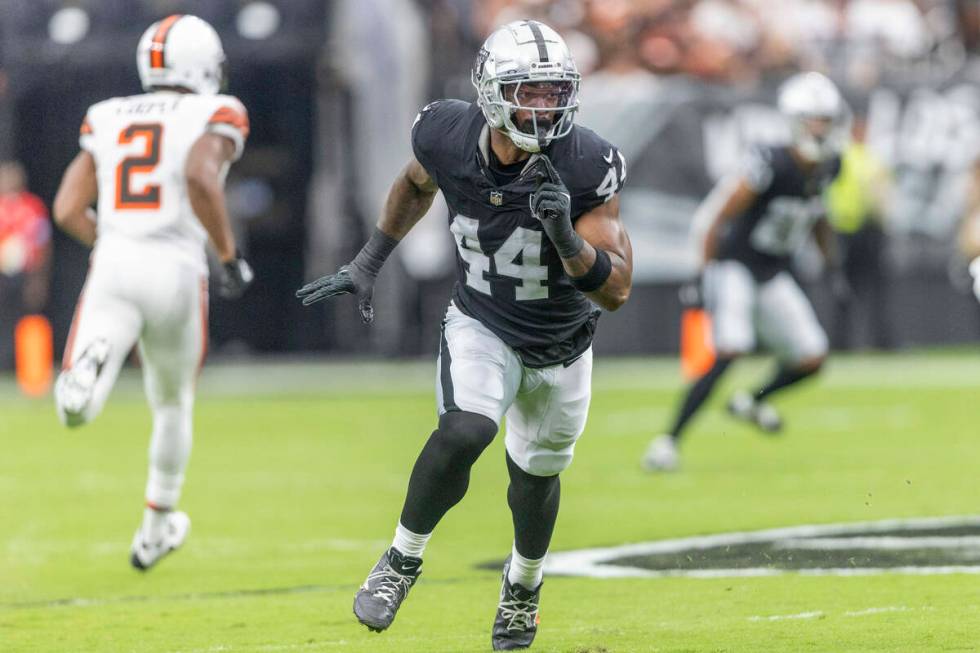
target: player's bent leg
439 480
534 504
730 294
441 474
546 420
75 386
790 327
662 454
103 332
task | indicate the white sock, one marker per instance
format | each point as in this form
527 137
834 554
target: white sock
409 543
154 524
525 572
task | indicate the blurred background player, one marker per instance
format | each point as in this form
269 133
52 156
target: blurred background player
756 223
25 255
533 205
157 164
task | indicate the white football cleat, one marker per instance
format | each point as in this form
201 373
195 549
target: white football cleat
76 385
145 554
661 455
745 407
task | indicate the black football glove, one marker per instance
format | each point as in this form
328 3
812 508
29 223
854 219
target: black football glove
551 204
236 276
346 281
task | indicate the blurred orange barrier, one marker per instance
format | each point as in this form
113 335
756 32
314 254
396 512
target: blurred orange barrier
34 347
697 348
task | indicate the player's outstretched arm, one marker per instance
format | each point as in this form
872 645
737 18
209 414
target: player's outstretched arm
73 203
408 200
206 164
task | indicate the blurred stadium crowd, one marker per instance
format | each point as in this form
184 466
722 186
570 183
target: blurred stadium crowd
741 41
680 85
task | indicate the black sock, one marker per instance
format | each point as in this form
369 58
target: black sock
442 471
784 378
533 503
698 394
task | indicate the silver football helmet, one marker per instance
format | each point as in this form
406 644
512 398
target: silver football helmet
527 84
817 114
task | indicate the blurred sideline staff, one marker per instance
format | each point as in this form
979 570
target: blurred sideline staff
25 254
857 203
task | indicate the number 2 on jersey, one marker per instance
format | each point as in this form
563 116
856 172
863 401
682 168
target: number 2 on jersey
149 196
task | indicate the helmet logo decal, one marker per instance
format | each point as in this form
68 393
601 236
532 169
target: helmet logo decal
481 58
157 59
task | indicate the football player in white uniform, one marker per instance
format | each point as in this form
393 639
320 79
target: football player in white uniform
156 162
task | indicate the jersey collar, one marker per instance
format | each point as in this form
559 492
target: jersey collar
483 144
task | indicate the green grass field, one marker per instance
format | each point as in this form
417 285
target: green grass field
299 471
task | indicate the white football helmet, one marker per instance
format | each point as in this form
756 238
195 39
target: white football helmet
526 66
182 51
817 115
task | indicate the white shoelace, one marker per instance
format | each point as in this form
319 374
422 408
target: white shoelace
520 615
393 584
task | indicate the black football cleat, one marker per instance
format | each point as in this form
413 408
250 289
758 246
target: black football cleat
379 598
517 615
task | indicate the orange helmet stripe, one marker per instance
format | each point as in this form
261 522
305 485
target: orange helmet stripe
160 41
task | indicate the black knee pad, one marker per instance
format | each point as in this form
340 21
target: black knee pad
464 434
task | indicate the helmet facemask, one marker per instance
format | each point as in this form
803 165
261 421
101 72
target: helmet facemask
818 138
543 110
530 98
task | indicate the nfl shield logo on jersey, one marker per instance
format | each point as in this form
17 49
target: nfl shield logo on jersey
496 197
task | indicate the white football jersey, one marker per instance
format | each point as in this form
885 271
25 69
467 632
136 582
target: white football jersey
140 145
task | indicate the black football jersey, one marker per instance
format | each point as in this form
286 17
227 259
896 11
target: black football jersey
510 277
789 202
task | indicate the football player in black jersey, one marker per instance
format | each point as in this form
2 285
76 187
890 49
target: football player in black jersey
757 222
533 206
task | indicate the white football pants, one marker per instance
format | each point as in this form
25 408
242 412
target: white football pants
546 408
143 293
777 311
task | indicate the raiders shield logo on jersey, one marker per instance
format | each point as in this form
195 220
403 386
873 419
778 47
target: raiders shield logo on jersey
496 197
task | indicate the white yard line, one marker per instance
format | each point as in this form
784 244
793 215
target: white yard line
782 617
872 611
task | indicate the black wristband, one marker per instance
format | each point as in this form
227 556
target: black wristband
374 253
597 274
